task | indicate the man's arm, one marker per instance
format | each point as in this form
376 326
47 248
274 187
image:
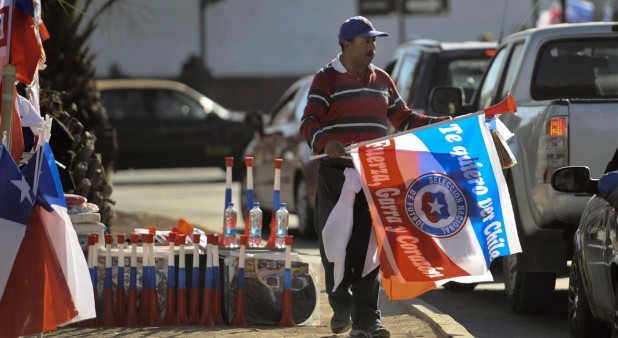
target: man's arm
402 117
318 102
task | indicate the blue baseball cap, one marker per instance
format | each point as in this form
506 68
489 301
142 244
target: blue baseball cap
358 26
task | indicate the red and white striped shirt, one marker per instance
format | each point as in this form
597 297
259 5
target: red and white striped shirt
344 107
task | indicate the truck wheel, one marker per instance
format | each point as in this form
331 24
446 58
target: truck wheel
304 210
459 287
526 291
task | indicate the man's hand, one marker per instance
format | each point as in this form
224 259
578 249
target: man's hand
334 149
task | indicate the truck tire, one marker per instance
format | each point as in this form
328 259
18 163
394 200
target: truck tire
526 291
459 287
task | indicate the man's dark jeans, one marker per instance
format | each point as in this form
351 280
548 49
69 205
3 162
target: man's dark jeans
356 295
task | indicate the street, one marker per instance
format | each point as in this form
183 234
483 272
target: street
484 314
198 196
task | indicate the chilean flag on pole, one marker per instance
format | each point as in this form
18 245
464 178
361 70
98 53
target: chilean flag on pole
440 205
16 201
49 282
61 233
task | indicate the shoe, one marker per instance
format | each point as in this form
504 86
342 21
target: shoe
373 331
340 322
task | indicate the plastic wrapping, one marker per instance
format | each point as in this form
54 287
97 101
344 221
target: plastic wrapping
264 287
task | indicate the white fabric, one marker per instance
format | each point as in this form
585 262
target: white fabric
338 229
30 117
63 238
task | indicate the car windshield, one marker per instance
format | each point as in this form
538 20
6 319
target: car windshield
466 73
577 69
462 72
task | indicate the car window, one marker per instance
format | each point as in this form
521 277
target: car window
123 104
302 101
210 106
404 85
176 105
513 68
464 73
284 111
490 84
577 68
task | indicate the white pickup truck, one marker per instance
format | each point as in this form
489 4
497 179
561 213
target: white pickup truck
564 79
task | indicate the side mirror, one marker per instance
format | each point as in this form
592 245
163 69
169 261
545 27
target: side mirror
573 179
446 100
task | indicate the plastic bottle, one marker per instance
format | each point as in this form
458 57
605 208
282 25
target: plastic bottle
255 226
230 216
282 216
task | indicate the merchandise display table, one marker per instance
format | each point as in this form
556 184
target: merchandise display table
264 270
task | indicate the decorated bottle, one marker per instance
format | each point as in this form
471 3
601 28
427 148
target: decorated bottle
230 217
282 215
255 225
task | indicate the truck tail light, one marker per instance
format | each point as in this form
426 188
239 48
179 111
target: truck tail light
557 127
553 148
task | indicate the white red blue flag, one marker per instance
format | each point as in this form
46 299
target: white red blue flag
16 200
440 205
49 261
62 235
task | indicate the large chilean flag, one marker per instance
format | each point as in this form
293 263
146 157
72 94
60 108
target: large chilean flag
440 205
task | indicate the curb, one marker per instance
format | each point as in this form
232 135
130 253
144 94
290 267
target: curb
444 324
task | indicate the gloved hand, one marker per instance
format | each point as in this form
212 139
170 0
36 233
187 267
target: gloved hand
608 182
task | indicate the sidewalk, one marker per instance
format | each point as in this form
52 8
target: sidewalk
410 318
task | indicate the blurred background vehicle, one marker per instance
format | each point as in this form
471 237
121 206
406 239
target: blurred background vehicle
278 137
593 282
164 124
417 66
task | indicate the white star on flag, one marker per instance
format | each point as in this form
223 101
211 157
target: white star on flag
436 207
24 188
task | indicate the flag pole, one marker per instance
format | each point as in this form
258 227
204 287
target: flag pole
8 77
6 125
44 136
364 143
507 105
8 38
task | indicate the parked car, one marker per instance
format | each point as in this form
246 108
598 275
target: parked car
163 124
279 138
593 283
417 66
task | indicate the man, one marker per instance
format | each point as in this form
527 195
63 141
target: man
350 101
